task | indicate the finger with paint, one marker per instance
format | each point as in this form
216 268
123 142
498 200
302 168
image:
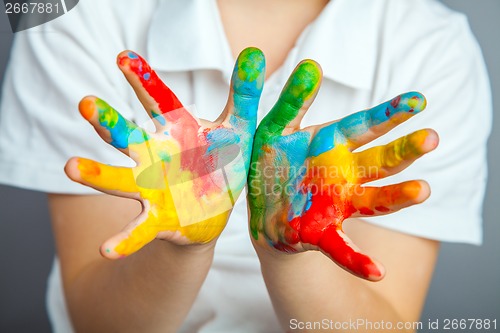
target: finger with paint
189 172
304 183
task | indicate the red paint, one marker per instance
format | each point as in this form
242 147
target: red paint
343 254
186 129
349 209
382 209
387 112
321 225
395 101
284 247
322 213
366 211
291 235
165 97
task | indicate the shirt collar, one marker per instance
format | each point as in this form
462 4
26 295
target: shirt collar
343 40
188 35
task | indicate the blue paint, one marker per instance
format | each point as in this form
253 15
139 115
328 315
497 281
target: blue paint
355 124
299 198
132 55
291 152
124 133
360 122
248 82
309 201
292 149
146 76
323 141
159 118
240 123
220 138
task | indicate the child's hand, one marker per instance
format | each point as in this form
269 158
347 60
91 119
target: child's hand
189 171
304 183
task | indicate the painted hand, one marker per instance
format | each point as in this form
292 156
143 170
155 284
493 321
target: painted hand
303 183
188 171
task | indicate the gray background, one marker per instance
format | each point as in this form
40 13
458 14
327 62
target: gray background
466 282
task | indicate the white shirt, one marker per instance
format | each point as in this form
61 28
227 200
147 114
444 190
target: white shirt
370 51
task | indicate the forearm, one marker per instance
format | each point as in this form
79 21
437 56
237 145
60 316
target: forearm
151 291
308 287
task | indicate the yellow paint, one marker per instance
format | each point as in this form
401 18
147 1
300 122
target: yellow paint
343 170
414 102
335 166
376 159
107 177
163 214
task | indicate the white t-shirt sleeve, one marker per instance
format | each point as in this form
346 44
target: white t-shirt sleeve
444 62
52 67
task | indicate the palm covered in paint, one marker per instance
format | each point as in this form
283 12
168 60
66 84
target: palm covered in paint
189 171
304 183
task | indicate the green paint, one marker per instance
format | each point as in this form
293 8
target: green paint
107 115
164 156
122 131
250 65
302 85
247 83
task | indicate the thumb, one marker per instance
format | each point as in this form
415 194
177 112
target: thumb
246 87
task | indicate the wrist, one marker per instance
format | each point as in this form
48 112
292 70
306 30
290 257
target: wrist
206 249
269 255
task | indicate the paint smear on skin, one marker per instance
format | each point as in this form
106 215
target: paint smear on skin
406 103
248 81
343 252
166 99
330 202
324 140
407 148
169 105
159 118
386 199
164 212
106 176
291 149
328 205
164 218
220 138
301 87
122 131
328 193
400 107
334 166
359 123
176 175
164 156
290 154
304 84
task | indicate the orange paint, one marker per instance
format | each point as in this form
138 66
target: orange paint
87 108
